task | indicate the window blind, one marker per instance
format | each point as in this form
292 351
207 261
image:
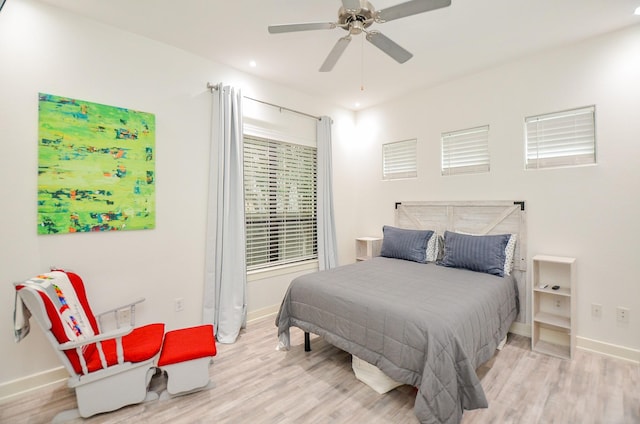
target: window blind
280 202
465 151
399 160
561 139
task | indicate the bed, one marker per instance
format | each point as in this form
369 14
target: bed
422 324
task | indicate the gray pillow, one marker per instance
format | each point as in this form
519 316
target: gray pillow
476 253
410 245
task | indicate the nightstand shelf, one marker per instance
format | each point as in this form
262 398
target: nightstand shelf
553 327
553 320
552 349
367 247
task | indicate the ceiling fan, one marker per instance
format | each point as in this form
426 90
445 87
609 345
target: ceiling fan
355 17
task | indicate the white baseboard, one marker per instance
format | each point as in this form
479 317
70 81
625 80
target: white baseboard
521 329
589 345
264 312
20 386
608 349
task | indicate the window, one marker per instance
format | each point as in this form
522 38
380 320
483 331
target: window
399 160
280 202
465 151
561 139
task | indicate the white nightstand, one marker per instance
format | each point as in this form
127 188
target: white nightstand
367 247
553 324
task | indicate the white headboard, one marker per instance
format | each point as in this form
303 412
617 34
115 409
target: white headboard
476 217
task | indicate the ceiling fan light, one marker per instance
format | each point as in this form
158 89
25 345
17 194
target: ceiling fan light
356 27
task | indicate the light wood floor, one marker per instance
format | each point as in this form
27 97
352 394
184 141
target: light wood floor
257 384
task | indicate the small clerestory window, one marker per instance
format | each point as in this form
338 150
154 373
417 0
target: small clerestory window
399 160
465 151
566 138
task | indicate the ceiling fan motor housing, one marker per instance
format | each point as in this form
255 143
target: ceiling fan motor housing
356 21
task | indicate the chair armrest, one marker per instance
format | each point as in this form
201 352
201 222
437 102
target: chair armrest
114 334
109 335
126 305
132 313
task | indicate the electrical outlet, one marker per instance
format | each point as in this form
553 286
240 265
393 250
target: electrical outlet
596 310
558 303
178 304
622 315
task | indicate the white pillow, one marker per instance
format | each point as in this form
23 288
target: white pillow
508 254
432 248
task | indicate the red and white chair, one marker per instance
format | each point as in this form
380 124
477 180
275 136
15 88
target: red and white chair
109 369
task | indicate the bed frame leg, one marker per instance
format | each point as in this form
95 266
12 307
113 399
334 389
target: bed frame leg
307 342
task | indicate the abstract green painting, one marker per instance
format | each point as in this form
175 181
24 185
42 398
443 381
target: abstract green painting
96 167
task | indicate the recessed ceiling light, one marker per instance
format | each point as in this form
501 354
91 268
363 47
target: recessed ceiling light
253 64
357 104
637 12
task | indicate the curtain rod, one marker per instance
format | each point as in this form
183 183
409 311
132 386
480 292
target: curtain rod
214 87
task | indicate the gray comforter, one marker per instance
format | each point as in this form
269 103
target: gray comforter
421 324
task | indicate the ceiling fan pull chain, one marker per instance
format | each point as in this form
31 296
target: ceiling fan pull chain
362 64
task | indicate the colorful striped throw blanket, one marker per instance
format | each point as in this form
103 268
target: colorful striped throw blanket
58 288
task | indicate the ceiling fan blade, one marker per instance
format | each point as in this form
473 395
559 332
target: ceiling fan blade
335 54
351 4
409 8
388 46
310 26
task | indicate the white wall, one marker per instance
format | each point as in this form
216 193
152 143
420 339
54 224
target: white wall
590 212
45 49
587 212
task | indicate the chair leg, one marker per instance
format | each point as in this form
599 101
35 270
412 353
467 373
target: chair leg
114 392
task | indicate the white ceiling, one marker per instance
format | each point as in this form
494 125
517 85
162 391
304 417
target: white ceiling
466 37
